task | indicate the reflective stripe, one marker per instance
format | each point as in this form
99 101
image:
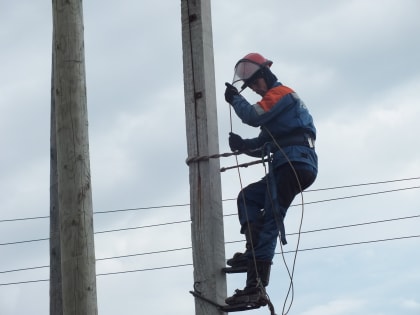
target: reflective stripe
258 109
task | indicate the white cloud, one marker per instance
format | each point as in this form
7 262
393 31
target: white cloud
337 307
410 304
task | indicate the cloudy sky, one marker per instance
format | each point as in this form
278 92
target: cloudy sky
356 65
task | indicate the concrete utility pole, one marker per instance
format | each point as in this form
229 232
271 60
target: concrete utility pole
73 166
202 140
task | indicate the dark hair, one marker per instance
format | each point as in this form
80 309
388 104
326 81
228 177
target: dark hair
268 76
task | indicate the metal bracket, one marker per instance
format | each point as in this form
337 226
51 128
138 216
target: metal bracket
227 308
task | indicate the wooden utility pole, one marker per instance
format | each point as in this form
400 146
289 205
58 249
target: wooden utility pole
56 292
202 140
73 166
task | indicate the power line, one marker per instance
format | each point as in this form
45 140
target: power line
26 241
362 195
354 243
347 197
228 242
358 224
143 226
24 269
140 270
189 264
313 202
142 208
25 219
228 199
24 282
146 253
364 184
186 221
105 258
184 248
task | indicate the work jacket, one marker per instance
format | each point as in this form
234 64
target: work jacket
282 115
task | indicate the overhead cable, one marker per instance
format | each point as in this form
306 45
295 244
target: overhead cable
227 242
186 221
190 264
228 199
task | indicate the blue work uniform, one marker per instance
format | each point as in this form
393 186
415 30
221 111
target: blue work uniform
281 115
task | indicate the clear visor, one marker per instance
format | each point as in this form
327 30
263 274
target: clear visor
244 70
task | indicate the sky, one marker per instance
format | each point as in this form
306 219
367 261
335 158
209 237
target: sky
354 63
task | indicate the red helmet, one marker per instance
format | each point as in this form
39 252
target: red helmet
246 67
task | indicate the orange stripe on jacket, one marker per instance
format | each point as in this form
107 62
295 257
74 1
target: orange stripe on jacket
273 96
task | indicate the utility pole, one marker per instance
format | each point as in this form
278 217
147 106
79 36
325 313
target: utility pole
73 165
202 140
56 292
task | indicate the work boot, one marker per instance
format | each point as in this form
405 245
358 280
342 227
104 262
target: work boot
261 276
248 296
239 261
256 280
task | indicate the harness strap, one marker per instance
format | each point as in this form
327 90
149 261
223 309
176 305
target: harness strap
275 202
304 139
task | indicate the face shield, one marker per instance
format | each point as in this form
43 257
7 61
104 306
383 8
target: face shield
244 70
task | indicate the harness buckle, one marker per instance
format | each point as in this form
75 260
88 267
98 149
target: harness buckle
311 143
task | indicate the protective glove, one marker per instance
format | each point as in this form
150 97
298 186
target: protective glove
230 92
236 142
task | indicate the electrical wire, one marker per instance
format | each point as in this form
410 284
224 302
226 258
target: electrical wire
225 215
364 184
231 242
24 269
25 241
227 199
142 227
185 221
190 264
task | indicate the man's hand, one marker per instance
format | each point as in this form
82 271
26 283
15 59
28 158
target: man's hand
236 142
230 92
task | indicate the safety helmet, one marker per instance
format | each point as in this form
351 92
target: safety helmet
247 68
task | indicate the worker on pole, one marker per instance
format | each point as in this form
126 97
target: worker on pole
287 135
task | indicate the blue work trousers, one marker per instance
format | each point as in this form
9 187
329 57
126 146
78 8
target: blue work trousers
261 209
